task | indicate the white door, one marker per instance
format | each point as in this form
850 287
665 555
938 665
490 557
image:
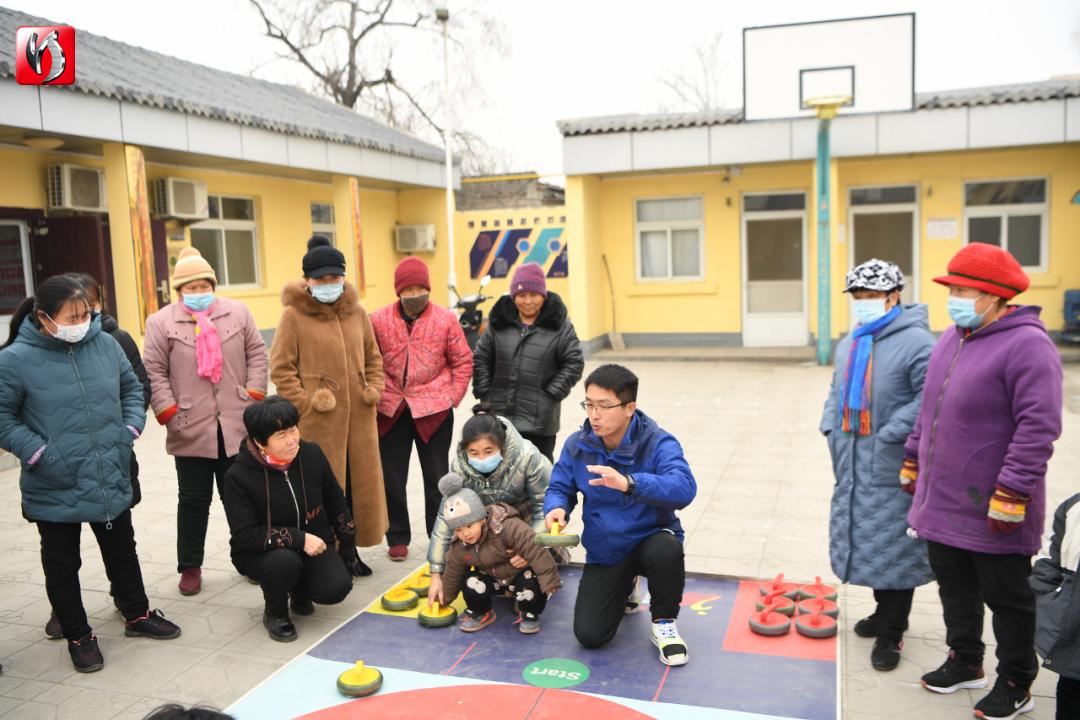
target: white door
774 271
16 279
884 229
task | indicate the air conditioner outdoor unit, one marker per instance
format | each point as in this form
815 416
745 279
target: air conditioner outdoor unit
180 198
74 187
415 238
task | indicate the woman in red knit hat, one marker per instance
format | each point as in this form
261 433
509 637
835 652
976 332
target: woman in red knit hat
976 465
427 364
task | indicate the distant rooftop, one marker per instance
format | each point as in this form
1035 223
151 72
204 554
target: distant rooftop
1053 89
112 69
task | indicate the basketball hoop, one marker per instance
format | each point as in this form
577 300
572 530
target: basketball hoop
827 106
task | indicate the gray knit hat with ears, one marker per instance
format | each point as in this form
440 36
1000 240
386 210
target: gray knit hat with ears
461 506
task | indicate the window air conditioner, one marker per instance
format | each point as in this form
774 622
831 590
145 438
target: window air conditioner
180 198
74 187
415 238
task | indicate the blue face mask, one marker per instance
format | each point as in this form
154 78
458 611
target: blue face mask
328 293
197 302
962 312
487 465
869 310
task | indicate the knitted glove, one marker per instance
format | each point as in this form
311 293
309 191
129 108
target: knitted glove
909 473
1007 510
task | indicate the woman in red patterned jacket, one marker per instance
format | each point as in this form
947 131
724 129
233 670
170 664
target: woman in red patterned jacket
427 364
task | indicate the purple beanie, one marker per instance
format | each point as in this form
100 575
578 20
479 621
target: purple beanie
529 278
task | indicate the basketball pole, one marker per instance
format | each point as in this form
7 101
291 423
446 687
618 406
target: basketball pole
826 111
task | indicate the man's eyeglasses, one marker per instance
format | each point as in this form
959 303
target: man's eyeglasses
590 407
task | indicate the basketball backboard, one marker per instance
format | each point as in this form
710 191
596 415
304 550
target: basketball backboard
869 59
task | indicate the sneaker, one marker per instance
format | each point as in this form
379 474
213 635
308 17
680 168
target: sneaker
867 627
886 654
636 596
85 655
1005 701
190 581
528 624
955 674
301 605
152 625
472 622
398 553
281 629
53 631
665 635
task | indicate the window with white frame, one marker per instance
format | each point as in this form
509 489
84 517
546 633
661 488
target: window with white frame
228 240
322 221
1011 214
670 239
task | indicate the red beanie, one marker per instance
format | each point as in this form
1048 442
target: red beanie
987 268
528 278
411 271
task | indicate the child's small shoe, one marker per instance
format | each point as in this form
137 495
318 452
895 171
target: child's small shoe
472 622
528 624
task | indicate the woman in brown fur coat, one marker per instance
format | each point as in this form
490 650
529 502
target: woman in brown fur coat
324 359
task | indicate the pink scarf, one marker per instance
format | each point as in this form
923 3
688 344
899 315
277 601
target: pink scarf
207 345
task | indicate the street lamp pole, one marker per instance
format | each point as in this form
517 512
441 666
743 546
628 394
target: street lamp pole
442 14
826 110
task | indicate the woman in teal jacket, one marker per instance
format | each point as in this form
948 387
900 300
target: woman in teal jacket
70 409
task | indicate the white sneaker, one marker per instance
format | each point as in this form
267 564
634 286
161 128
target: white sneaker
665 635
636 596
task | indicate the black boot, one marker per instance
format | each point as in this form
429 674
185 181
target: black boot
301 605
886 653
279 628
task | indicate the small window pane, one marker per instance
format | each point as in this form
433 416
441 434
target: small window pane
883 195
237 209
654 254
215 206
240 250
207 242
1025 239
1006 193
985 230
685 253
322 214
789 201
674 209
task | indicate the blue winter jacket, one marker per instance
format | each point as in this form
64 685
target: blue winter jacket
76 400
868 541
616 523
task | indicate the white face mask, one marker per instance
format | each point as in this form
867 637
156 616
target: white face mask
70 333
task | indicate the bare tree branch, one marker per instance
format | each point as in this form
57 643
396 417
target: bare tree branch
697 88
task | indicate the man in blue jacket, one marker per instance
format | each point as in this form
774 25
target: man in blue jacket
633 477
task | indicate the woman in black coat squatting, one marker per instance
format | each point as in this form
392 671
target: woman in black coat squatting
285 508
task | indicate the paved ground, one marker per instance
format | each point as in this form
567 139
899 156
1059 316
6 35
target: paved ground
750 433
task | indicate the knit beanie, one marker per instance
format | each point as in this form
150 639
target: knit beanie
191 265
988 268
461 506
529 278
411 271
322 258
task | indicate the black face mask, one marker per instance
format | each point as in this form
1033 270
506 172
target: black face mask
415 305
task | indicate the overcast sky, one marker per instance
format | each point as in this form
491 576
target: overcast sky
575 58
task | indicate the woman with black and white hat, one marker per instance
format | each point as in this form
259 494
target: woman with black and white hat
872 405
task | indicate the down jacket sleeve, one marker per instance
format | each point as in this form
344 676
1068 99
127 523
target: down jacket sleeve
484 364
15 436
460 359
672 486
902 421
537 480
570 361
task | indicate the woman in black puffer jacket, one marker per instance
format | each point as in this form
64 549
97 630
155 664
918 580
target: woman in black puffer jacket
529 359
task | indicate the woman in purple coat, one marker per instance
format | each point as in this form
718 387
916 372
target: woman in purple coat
976 463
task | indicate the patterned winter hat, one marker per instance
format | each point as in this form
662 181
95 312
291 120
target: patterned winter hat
874 274
461 506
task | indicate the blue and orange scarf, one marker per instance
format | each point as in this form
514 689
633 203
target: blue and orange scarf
855 402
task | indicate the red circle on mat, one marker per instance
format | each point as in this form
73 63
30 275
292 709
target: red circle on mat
479 702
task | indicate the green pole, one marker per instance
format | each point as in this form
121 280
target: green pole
824 324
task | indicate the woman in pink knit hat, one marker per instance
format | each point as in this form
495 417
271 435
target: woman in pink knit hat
529 359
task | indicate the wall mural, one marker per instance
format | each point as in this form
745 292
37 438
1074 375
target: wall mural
496 252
